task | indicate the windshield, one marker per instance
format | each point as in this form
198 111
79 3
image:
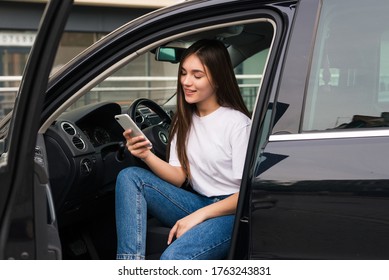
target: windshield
147 77
143 77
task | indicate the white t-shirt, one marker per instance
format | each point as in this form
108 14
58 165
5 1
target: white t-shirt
216 150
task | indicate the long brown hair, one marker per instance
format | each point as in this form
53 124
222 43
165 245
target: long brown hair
214 55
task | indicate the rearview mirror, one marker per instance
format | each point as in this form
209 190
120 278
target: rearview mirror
169 54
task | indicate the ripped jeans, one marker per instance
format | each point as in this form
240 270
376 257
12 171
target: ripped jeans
138 191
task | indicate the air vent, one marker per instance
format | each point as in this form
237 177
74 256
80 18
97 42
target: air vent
68 128
78 143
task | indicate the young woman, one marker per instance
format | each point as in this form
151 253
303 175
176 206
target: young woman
208 140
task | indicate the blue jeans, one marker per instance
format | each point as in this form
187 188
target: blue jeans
138 191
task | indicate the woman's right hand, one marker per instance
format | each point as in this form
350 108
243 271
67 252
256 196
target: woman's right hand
138 146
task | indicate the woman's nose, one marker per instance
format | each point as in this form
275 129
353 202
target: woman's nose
186 80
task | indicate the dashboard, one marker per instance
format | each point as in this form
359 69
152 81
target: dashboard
85 152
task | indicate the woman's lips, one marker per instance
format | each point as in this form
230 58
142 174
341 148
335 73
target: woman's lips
189 92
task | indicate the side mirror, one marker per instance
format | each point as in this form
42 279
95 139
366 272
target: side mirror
169 54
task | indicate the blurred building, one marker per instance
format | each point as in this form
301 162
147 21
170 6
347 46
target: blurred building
89 21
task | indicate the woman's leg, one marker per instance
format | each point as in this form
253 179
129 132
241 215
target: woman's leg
131 217
209 240
139 190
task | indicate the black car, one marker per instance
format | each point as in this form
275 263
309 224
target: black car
314 74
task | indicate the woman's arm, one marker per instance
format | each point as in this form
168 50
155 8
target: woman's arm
172 174
140 148
223 207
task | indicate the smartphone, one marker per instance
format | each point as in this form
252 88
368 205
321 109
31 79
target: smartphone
127 123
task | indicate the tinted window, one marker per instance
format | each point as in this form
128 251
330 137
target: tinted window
349 78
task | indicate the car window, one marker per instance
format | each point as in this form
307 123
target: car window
249 75
349 78
145 77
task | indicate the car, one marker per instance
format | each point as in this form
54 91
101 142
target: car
313 73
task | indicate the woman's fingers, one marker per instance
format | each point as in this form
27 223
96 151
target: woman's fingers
138 146
136 142
172 233
185 224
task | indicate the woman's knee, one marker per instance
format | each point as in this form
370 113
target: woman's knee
129 174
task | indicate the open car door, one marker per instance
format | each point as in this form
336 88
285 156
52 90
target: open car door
27 218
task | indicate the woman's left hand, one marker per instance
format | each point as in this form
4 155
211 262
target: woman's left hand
184 225
223 207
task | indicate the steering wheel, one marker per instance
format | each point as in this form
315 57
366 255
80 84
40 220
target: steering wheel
158 133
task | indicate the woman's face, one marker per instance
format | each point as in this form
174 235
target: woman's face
196 82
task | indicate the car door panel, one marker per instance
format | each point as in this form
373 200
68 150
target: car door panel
24 198
329 200
319 194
